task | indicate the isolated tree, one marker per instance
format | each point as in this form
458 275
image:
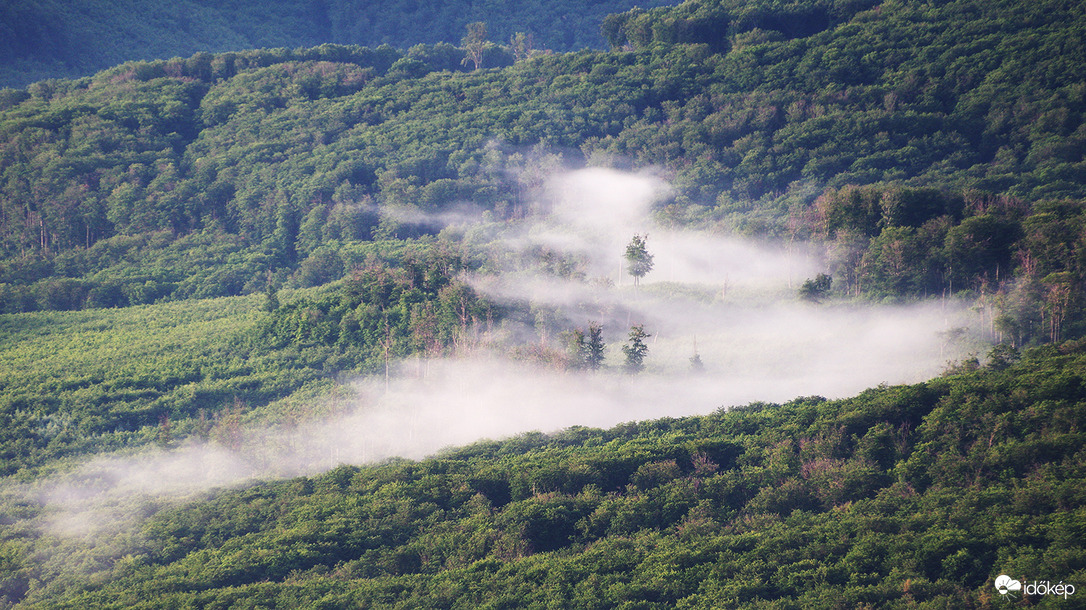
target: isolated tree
475 43
638 259
696 365
814 290
593 354
636 350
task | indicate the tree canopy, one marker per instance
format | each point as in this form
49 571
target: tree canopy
638 259
188 243
904 495
45 40
636 350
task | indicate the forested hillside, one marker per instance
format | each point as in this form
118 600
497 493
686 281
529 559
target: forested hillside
900 497
42 40
103 380
210 264
284 158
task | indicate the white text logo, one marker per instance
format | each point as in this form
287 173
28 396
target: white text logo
1006 585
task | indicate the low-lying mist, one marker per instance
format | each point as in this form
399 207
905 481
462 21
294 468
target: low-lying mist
730 301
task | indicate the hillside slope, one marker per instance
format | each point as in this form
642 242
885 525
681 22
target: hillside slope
910 496
958 118
244 232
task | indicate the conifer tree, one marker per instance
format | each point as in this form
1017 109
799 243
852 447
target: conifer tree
636 350
594 346
271 298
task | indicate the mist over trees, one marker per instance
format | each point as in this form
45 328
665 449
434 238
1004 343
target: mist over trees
279 159
638 259
817 288
901 495
586 349
636 350
224 174
194 247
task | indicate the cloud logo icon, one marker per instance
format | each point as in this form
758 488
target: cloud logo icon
1005 584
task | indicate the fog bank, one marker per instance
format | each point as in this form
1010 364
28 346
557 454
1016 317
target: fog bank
731 301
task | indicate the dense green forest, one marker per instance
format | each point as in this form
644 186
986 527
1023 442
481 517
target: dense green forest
279 157
42 40
905 496
195 247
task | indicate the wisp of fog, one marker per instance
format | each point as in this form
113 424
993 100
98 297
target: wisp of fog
731 301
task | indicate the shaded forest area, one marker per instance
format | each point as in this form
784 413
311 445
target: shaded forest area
42 40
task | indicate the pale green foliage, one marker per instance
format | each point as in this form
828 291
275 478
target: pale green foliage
638 259
475 44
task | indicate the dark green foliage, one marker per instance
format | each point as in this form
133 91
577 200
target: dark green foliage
40 40
636 350
901 496
1002 356
271 298
816 289
585 350
1023 264
963 116
946 142
593 347
381 313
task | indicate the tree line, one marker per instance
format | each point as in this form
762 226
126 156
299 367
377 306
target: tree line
44 41
1022 265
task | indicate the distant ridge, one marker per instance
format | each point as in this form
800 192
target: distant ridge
73 38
